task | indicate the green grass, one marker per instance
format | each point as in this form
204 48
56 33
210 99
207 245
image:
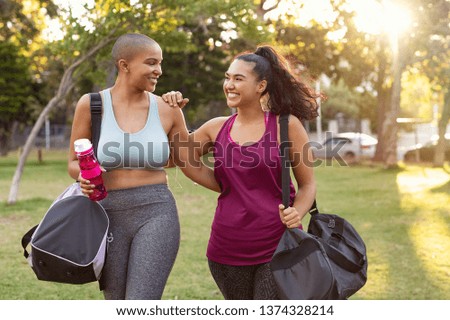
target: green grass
403 216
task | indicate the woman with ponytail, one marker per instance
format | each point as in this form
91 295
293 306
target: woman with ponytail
249 218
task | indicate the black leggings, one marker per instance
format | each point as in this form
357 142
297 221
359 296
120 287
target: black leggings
253 282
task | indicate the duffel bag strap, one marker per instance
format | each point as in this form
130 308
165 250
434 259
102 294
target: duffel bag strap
314 209
26 239
285 162
337 225
341 260
330 247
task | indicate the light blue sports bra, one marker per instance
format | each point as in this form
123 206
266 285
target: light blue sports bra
146 149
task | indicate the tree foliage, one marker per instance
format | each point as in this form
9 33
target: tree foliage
21 25
432 57
367 61
88 40
215 35
14 91
19 29
352 103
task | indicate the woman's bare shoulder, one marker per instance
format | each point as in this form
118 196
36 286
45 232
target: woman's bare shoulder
84 102
217 121
213 125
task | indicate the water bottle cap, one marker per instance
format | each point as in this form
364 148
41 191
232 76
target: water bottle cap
82 145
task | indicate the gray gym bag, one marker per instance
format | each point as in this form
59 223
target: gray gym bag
69 244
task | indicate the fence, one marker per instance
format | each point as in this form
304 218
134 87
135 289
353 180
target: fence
57 137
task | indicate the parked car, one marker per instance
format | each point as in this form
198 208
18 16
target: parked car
350 146
426 151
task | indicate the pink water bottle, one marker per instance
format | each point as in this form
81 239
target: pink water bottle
89 167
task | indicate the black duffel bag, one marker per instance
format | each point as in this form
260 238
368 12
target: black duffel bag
301 268
345 249
327 262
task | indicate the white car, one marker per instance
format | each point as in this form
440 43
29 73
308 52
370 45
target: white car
348 146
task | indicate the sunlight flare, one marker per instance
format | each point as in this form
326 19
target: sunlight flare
430 234
374 17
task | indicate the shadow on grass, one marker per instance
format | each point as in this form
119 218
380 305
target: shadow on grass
403 246
371 200
445 188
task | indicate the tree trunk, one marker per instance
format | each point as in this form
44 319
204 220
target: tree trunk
383 95
26 150
7 133
4 145
390 128
382 103
439 155
65 86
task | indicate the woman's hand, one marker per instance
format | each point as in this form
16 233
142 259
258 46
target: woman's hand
290 217
86 187
174 99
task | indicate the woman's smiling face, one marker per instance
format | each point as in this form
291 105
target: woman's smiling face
241 85
145 67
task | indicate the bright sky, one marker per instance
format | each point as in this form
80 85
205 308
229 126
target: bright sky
53 31
371 16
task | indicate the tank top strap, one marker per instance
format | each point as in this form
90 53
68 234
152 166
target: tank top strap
223 135
108 113
107 104
153 106
271 126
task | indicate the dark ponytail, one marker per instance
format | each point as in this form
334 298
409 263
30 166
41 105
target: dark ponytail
287 94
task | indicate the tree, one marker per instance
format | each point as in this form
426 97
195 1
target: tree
87 42
430 23
368 61
348 101
14 91
18 31
381 66
216 33
417 95
81 45
432 58
19 23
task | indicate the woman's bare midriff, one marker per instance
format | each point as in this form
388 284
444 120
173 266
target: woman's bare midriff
129 178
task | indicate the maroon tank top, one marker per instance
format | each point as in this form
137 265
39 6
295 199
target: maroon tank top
247 226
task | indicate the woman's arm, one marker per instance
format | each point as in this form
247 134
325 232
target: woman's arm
81 128
188 149
302 165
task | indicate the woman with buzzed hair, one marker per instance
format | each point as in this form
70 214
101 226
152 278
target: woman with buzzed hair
138 132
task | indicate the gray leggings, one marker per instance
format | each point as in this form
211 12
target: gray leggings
145 233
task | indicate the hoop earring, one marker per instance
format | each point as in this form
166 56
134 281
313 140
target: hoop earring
265 102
